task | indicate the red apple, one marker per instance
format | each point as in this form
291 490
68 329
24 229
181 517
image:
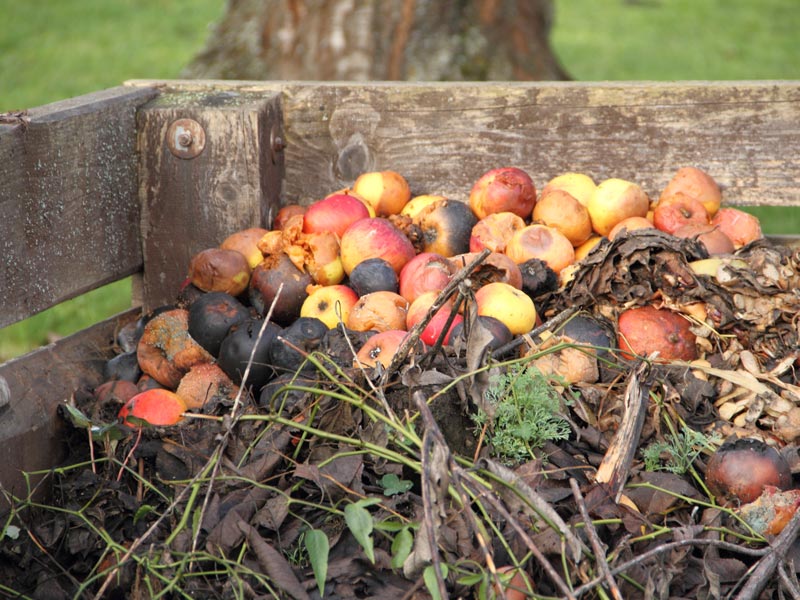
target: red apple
542 242
677 210
741 227
645 330
505 189
379 311
330 304
495 267
156 407
375 238
696 184
420 307
380 348
494 231
334 213
424 273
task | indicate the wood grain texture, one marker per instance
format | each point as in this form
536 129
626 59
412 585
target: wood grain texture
192 204
443 136
69 208
31 433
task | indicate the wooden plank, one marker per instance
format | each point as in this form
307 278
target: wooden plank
69 208
192 203
31 433
443 136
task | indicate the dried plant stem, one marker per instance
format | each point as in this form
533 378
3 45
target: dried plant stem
599 553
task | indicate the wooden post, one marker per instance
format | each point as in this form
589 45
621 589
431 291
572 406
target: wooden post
211 163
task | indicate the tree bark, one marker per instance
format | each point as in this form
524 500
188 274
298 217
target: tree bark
360 40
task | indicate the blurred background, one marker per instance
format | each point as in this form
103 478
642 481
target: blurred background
55 49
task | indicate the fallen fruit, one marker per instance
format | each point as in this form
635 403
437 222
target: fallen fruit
741 227
205 382
673 212
334 214
267 278
695 183
769 514
508 304
386 191
515 584
578 185
220 270
211 316
245 242
494 231
711 236
153 407
614 200
426 272
562 211
504 189
285 214
628 225
375 238
647 330
238 347
739 470
380 348
542 242
373 275
287 353
330 304
446 227
379 311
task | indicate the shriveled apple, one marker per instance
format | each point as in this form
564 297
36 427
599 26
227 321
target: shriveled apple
379 311
646 330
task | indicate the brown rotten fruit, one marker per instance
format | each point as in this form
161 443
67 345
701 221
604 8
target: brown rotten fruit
739 470
446 226
220 270
277 269
647 329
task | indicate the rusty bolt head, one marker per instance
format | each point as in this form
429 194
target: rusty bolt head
186 138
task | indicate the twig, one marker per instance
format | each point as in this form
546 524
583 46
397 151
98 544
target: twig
669 547
789 581
616 464
599 552
413 336
765 567
551 324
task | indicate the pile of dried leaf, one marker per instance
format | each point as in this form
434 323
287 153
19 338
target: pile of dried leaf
339 483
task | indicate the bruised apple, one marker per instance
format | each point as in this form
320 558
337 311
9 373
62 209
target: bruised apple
504 189
425 272
614 200
578 185
697 184
334 214
156 407
446 226
645 330
204 382
267 278
246 241
379 311
678 210
418 203
741 227
380 348
375 238
542 242
711 236
386 191
511 306
219 270
330 304
561 210
494 231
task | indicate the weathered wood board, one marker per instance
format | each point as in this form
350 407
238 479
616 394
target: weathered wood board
31 433
443 136
69 205
226 180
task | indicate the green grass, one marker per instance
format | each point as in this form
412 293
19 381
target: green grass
56 49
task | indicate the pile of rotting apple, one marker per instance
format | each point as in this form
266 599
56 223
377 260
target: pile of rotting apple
579 393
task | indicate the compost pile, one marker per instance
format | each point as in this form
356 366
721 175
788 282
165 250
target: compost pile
622 422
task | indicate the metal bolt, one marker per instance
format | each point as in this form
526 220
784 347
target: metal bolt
186 138
276 143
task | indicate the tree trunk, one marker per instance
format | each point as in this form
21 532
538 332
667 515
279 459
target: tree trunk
358 40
